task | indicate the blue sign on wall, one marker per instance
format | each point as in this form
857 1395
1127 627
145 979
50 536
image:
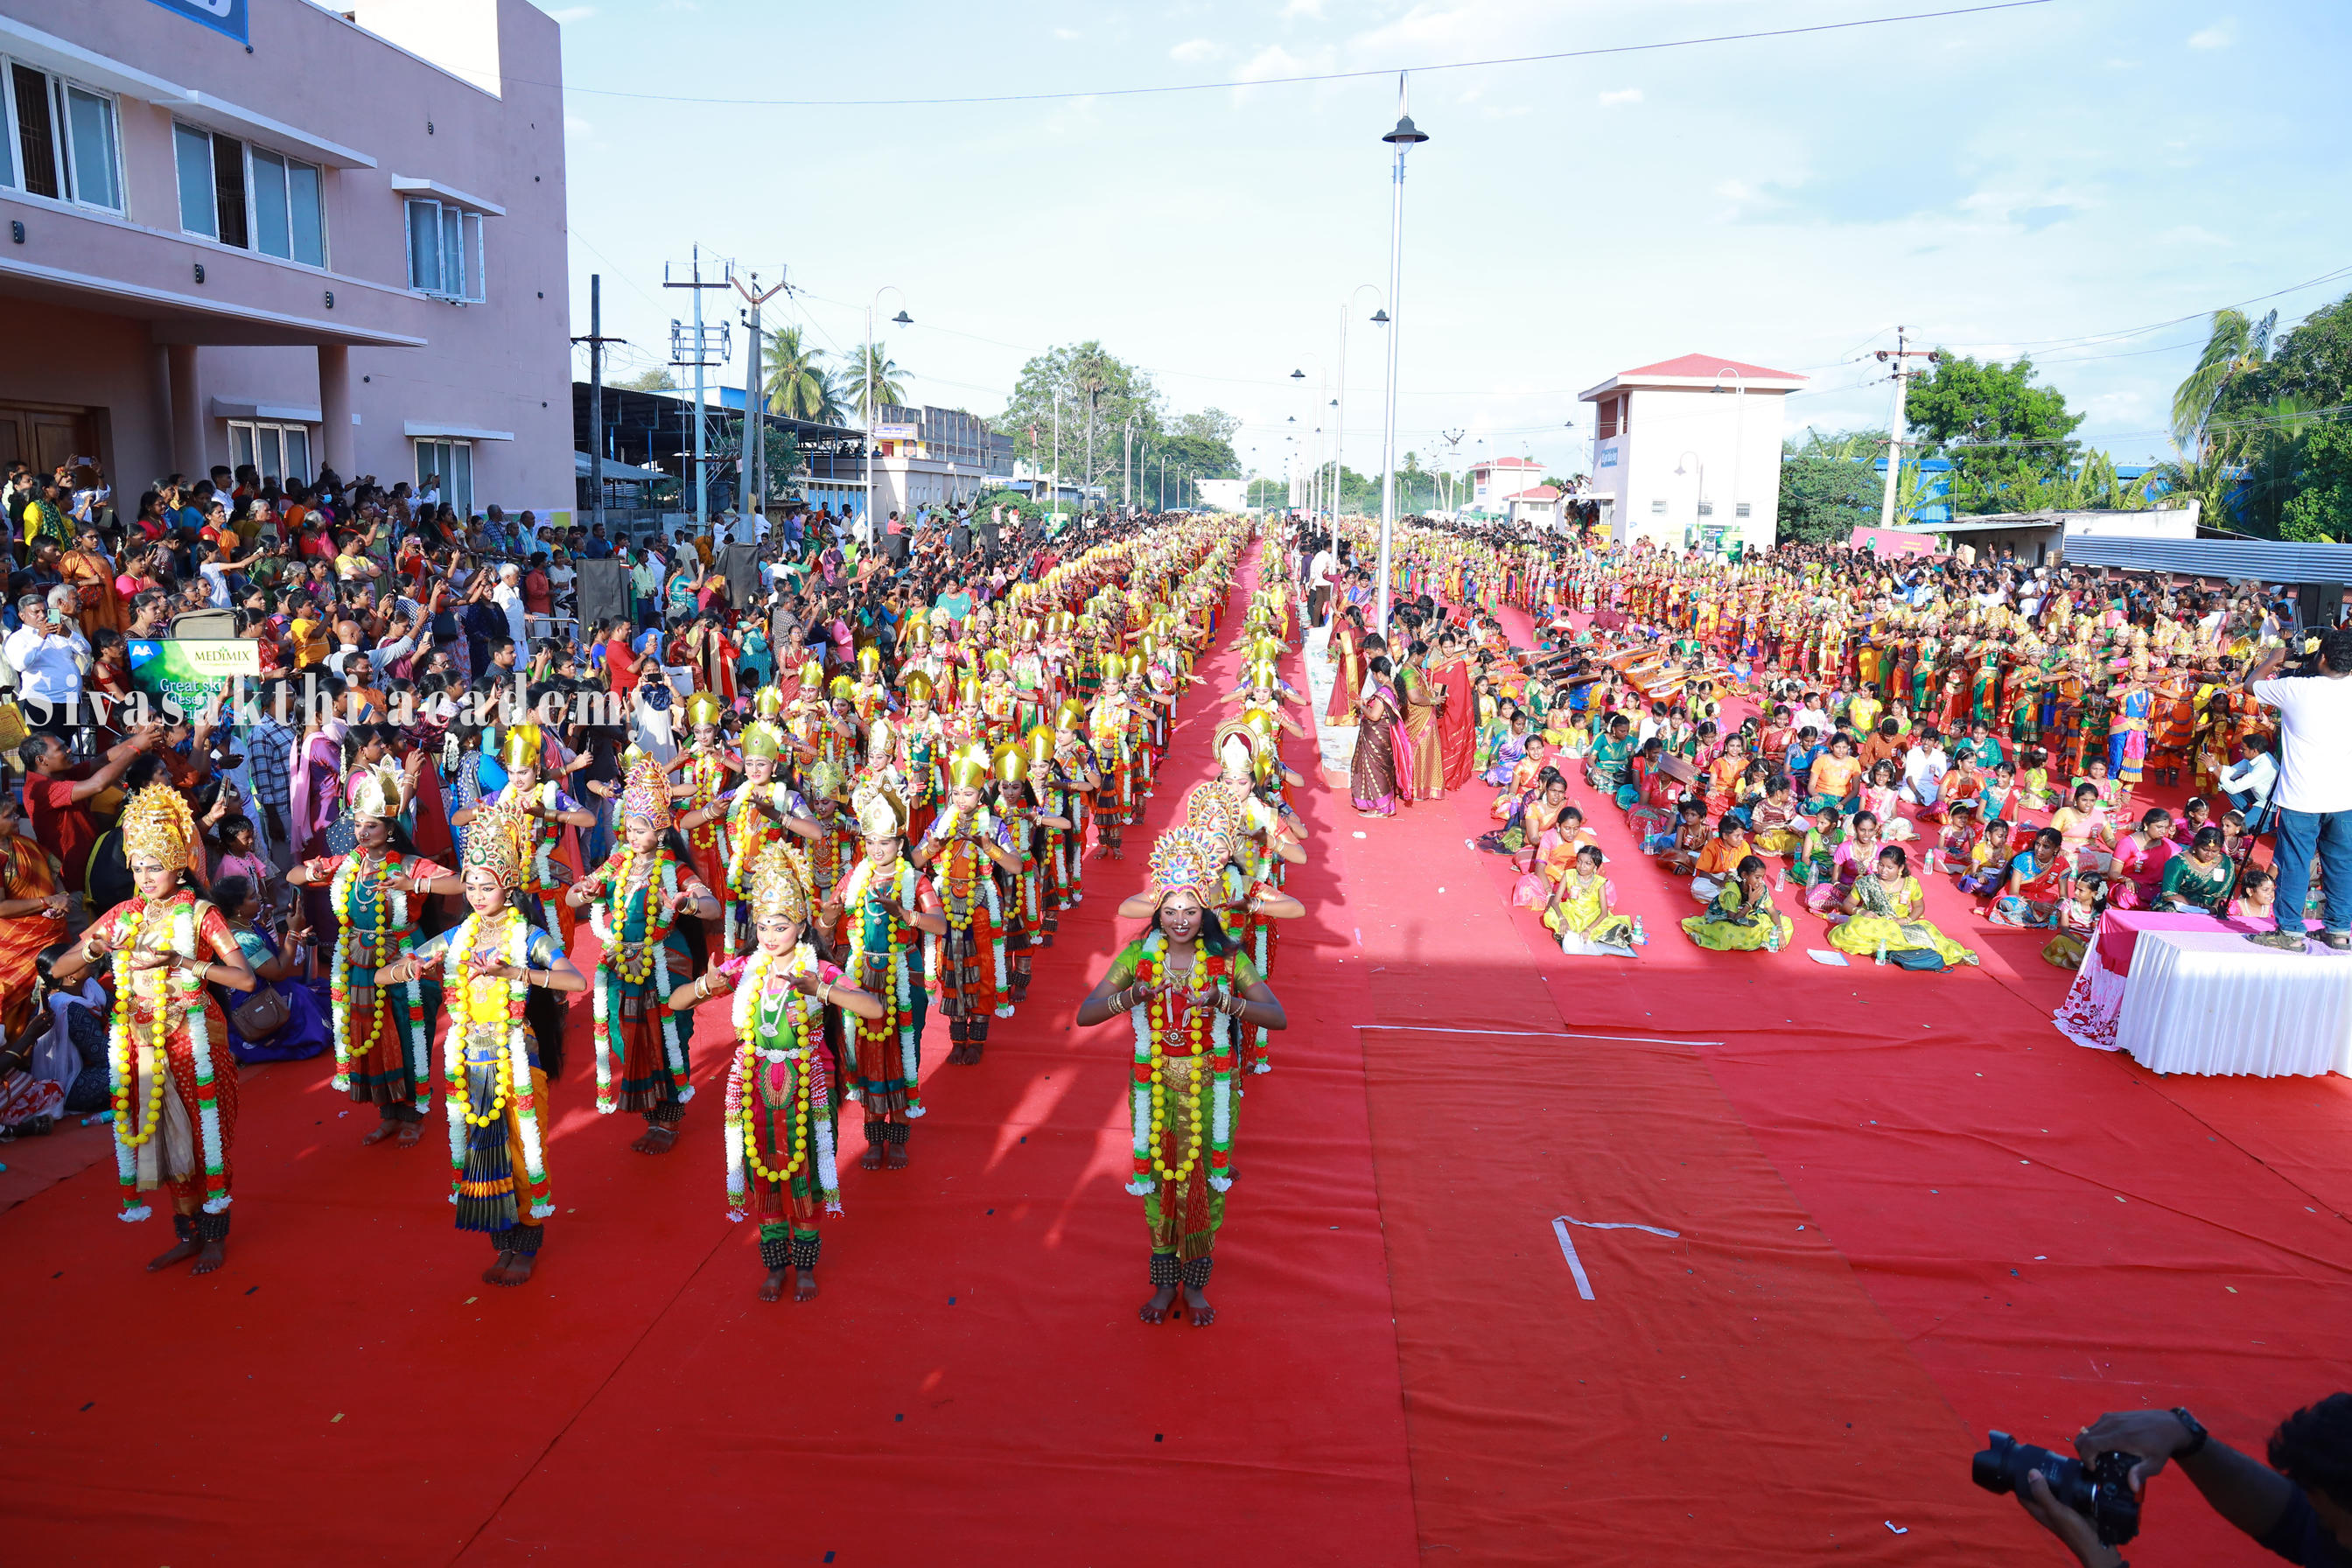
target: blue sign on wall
220 16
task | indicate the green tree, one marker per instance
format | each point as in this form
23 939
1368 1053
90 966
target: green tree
872 379
784 455
1268 493
797 385
2234 348
2312 363
2002 432
1824 498
2321 508
656 379
1079 379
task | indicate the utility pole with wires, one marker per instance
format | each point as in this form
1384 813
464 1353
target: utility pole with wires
596 339
1901 351
692 345
755 411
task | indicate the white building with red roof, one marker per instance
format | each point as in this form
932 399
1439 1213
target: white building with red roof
1687 453
1495 480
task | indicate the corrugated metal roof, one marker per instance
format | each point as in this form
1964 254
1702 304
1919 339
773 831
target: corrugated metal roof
2259 559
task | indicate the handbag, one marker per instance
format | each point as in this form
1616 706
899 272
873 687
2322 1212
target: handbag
262 1014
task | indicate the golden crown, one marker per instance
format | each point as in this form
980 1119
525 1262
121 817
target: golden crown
158 825
776 886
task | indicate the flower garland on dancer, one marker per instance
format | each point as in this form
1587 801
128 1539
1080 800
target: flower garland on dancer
495 1065
1184 984
969 968
634 901
751 818
1021 782
707 764
382 1038
887 904
174 1087
782 1098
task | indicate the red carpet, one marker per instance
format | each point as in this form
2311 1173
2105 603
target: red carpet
971 1385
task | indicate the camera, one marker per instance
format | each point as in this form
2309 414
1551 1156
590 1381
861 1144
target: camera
2100 1492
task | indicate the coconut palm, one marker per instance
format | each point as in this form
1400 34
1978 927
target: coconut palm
2235 346
873 378
797 386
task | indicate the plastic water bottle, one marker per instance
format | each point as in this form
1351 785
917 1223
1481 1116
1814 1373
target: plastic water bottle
1882 949
1641 937
1772 936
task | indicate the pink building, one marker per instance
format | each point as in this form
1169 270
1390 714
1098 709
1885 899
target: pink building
258 231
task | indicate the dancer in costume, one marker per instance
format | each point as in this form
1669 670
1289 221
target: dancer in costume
751 816
887 903
971 964
174 1084
495 1065
783 1099
1184 984
383 1039
707 766
634 900
1021 782
545 810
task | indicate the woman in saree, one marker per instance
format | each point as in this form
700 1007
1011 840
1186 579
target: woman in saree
280 965
1424 707
1511 748
1883 917
1850 860
2198 881
2135 871
34 905
1551 851
1740 918
1376 778
1347 671
1583 912
2036 885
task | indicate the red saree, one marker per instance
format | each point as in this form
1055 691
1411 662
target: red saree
1457 724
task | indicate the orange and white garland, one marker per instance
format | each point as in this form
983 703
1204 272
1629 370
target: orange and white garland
512 1074
1203 1027
789 1035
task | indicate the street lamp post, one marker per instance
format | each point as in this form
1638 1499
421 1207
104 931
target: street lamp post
903 320
1406 135
1339 432
1738 430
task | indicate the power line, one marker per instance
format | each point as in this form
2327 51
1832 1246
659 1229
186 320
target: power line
1301 80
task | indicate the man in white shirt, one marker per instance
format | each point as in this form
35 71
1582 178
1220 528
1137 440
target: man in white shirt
1810 714
49 657
1924 769
507 597
2314 794
1318 583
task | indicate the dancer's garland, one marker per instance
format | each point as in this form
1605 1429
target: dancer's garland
374 950
181 941
1147 1108
896 983
609 916
798 1022
962 908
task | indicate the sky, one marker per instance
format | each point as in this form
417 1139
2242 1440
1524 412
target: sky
2081 181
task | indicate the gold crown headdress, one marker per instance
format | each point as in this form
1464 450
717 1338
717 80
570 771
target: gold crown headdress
645 795
702 708
1011 763
917 685
869 660
761 738
970 767
880 813
821 782
776 887
1071 716
881 740
769 702
158 825
1188 861
968 691
523 747
811 678
494 842
842 689
375 791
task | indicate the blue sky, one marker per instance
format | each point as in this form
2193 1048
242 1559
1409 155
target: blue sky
2050 179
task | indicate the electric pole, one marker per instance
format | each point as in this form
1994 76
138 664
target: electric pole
695 351
755 412
596 339
1898 354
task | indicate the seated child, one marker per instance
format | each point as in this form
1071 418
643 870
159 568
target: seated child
1719 859
1778 827
1984 869
1677 848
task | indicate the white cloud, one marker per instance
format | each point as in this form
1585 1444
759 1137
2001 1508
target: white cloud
1622 95
567 15
1308 8
575 126
2219 36
1065 34
1192 49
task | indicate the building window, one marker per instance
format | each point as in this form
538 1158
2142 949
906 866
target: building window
444 251
222 182
1707 509
65 144
1657 509
1741 508
280 452
448 466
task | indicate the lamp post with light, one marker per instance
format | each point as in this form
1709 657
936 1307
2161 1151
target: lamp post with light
1405 136
873 376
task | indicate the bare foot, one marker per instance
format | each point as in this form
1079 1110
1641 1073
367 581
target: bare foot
898 1157
804 1284
212 1256
771 1288
411 1134
181 1252
656 1141
496 1274
872 1159
380 1131
1156 1310
1202 1313
518 1271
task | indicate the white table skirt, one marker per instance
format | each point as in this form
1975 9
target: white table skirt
2213 1002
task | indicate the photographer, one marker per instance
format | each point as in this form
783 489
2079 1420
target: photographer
2314 795
2299 1509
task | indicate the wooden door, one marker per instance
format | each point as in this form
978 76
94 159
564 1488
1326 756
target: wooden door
46 434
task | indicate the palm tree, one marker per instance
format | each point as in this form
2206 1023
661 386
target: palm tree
797 386
874 381
2235 347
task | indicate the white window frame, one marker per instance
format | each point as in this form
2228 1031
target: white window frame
270 436
246 152
68 173
461 501
458 245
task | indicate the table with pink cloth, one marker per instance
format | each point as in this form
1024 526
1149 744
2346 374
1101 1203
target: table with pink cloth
2187 994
